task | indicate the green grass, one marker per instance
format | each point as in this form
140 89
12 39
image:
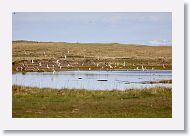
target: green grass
71 103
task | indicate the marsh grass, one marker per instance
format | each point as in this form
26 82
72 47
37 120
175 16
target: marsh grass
78 103
157 82
165 81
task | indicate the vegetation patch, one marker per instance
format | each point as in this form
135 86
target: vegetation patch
158 82
78 103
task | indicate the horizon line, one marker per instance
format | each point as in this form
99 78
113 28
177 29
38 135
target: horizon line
89 42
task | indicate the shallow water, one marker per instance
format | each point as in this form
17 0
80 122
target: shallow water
93 80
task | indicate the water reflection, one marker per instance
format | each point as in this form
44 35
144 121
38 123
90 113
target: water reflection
94 80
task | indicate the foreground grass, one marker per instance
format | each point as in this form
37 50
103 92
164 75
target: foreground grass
71 103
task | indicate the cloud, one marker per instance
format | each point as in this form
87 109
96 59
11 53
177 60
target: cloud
160 42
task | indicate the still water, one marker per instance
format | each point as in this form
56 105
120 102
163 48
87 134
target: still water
93 80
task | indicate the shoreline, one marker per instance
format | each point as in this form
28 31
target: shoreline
114 70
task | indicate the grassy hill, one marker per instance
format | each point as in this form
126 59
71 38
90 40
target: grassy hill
84 56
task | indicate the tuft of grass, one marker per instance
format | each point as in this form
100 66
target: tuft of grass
165 81
157 82
78 103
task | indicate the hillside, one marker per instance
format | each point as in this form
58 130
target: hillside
48 56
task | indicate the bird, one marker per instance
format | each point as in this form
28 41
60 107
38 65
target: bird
40 64
54 71
57 61
137 68
124 63
32 61
68 52
110 66
89 68
44 54
142 68
65 57
59 64
47 66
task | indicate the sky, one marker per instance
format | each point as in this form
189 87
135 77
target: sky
147 28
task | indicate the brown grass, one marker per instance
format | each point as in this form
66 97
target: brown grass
113 53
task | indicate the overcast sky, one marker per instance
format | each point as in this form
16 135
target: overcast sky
125 27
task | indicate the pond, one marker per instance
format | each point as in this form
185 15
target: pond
93 80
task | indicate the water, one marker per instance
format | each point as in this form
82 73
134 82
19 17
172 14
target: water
93 80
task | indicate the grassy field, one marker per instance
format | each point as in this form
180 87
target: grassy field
58 56
71 103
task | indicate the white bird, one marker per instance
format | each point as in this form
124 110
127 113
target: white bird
110 66
65 57
142 68
54 71
124 63
68 52
40 64
47 66
58 64
32 61
137 68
